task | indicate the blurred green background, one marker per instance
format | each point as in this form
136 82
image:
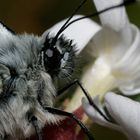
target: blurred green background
36 16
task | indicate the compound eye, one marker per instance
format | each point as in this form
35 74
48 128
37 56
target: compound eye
49 53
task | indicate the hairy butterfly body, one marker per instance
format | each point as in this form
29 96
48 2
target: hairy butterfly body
27 65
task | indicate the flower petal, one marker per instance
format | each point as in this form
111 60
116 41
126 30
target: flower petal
81 31
126 112
128 65
115 18
108 43
95 116
123 60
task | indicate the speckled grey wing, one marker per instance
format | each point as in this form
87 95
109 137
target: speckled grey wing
6 29
5 34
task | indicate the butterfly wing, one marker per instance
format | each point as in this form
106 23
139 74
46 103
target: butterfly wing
6 34
5 29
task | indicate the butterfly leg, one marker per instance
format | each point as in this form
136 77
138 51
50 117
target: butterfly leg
86 94
72 116
34 122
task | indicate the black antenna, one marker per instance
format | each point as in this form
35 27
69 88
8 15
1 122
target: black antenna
124 3
63 27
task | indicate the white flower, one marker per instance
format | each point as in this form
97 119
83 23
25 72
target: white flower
115 45
117 48
123 110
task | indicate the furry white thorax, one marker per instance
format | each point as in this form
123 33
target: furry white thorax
19 56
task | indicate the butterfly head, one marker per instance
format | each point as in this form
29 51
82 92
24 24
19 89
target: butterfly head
58 58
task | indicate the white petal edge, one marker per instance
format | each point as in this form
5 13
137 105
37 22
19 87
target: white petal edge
129 64
126 112
95 116
108 43
115 19
80 32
